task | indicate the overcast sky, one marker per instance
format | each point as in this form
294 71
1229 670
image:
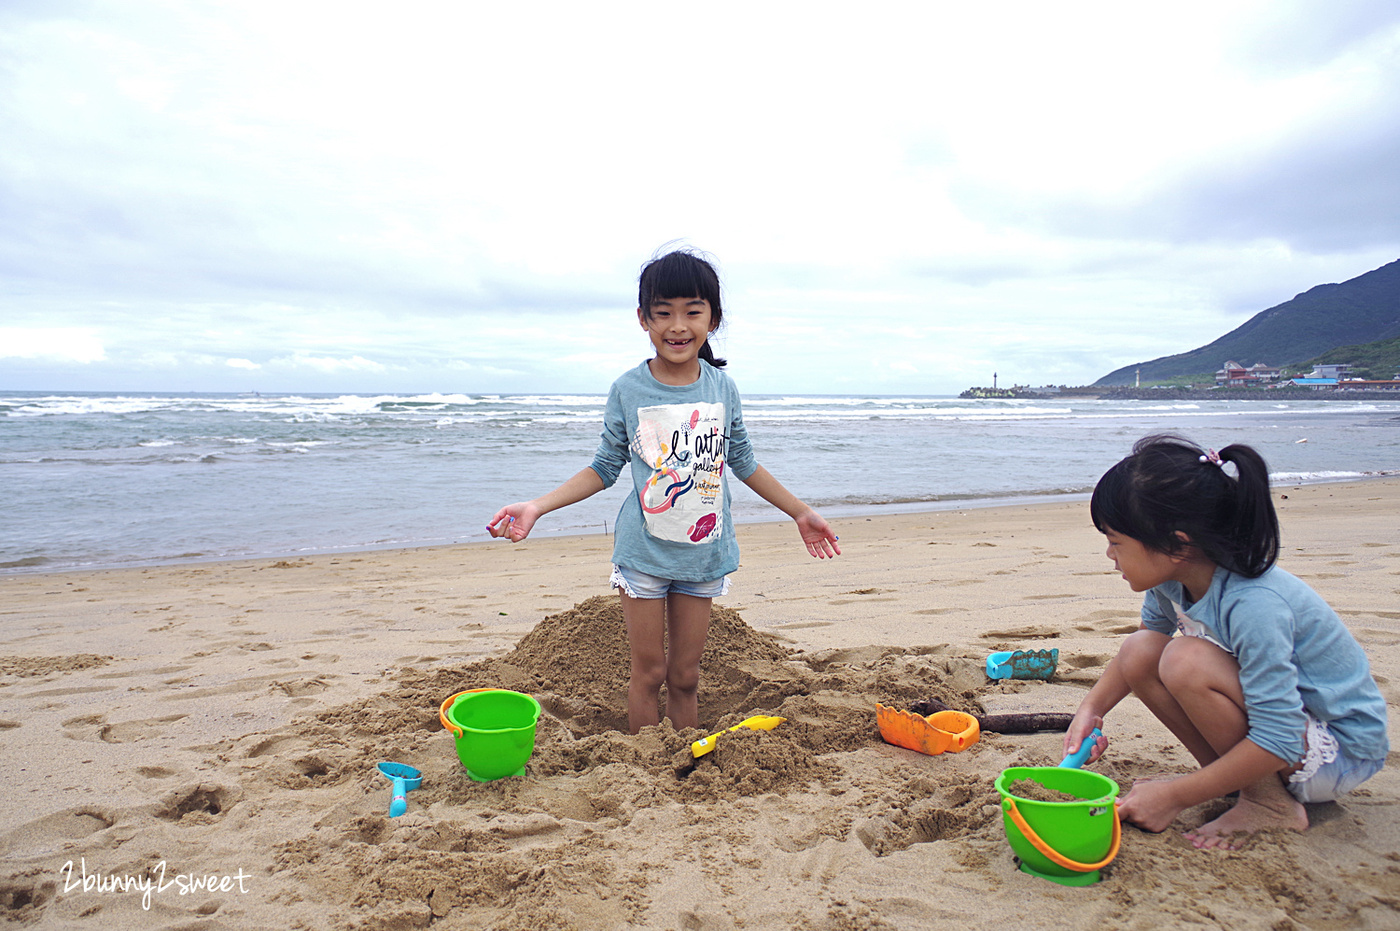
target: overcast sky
903 198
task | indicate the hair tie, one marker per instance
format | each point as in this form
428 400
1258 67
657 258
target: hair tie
1213 457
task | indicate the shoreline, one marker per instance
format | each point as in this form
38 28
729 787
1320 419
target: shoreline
833 513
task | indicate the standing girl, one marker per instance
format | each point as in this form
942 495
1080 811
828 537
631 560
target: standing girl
1265 687
677 419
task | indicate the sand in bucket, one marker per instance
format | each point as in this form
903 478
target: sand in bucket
1066 842
494 730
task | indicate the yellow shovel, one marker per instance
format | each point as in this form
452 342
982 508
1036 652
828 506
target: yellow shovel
759 722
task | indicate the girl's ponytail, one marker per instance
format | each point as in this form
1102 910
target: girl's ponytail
1171 494
708 355
1255 520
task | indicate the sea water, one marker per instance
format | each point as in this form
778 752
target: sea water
99 479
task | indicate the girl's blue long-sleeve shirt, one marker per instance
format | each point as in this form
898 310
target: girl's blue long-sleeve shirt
1294 653
680 441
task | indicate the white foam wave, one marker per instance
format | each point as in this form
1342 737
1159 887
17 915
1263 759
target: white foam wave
1324 475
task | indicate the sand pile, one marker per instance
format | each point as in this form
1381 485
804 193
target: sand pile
605 825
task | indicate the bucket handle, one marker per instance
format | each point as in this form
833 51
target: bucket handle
447 703
1053 855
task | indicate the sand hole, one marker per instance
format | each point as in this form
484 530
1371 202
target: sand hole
201 801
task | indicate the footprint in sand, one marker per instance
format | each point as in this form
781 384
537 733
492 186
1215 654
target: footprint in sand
1086 660
54 831
296 688
1372 637
155 772
530 825
1034 632
132 673
95 728
270 745
1108 622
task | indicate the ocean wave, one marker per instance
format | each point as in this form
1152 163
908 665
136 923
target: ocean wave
241 474
327 408
1310 478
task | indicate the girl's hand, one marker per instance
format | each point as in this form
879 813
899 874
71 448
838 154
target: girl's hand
1079 731
816 533
514 521
1150 804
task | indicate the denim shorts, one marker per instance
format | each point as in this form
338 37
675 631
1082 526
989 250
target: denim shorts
1326 780
1334 779
640 585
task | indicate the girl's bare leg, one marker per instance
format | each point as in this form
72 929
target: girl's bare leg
687 626
1140 662
1205 681
646 635
667 638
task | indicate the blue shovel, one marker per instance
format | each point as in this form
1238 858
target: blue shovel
1081 756
405 779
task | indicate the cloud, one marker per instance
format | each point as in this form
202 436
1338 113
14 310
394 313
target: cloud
459 197
328 365
61 344
1290 36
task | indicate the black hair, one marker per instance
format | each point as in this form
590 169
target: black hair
682 274
1169 485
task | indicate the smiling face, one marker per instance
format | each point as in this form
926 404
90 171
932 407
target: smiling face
678 327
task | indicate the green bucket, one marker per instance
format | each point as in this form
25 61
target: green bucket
494 730
1065 842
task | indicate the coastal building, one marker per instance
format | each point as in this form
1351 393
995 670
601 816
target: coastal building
1233 374
1336 378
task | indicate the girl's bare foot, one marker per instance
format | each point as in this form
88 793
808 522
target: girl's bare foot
1249 815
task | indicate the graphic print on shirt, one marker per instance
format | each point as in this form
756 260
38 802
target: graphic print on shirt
1190 627
684 445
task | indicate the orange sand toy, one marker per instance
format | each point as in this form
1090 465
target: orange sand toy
941 731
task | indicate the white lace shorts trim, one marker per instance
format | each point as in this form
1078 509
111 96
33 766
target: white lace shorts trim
1322 749
1328 772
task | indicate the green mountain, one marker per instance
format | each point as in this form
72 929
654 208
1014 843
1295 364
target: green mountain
1365 309
1380 359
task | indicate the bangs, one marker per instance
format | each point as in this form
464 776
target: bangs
678 275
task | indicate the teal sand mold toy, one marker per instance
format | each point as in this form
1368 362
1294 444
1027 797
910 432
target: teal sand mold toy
405 779
1023 664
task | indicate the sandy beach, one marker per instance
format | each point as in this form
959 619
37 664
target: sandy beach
167 730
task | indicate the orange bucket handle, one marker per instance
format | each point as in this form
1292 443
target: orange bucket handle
1053 855
447 703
